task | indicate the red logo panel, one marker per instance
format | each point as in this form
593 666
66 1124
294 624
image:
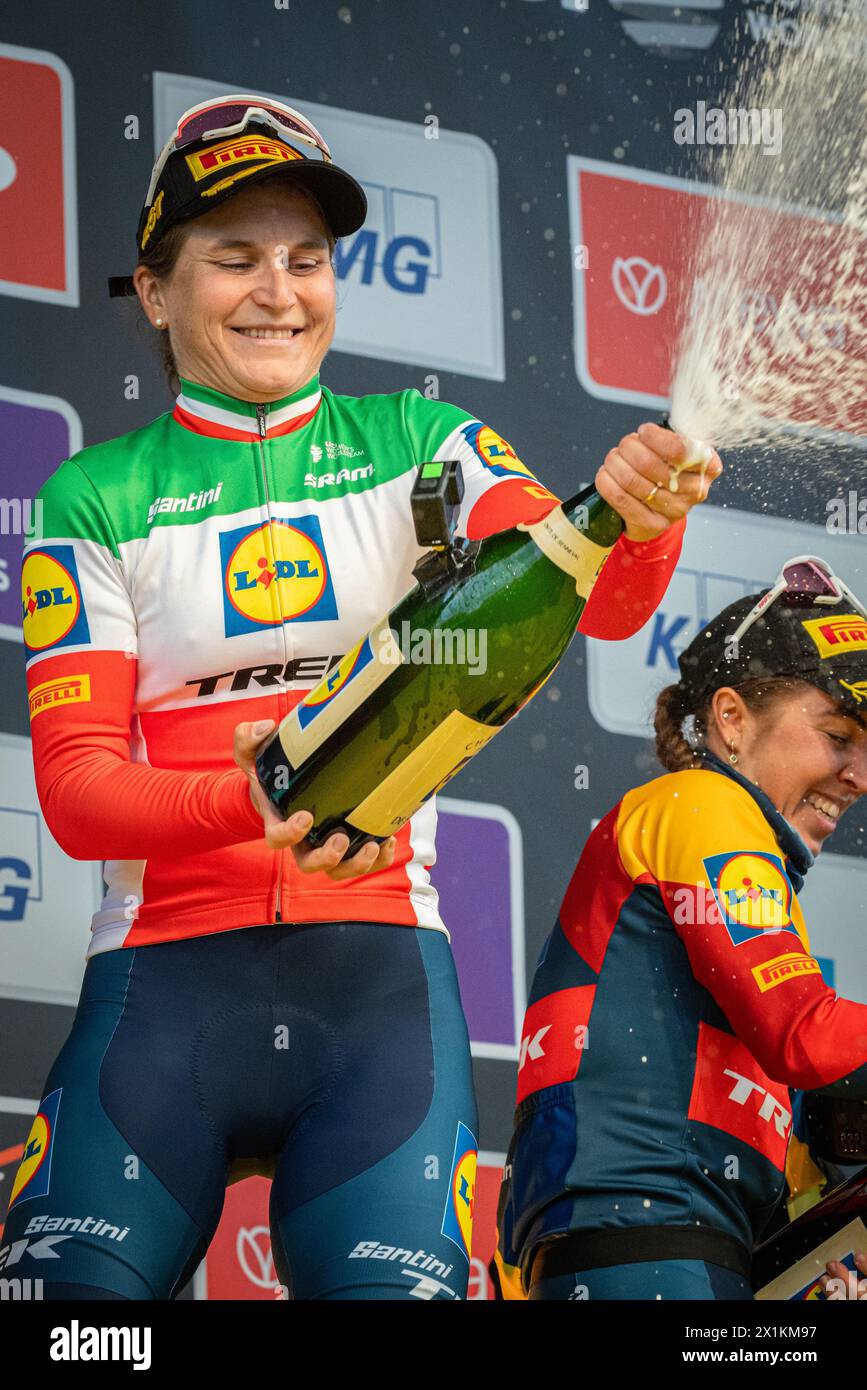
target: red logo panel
731 1092
553 1038
637 239
38 251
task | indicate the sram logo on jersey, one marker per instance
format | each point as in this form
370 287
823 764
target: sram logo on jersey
34 1173
275 573
752 892
52 610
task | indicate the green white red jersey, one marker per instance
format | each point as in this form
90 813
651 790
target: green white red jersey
208 569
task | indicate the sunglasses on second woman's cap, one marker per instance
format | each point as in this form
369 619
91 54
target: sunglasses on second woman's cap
803 580
231 115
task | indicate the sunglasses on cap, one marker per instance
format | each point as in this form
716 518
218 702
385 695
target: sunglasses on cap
223 116
803 580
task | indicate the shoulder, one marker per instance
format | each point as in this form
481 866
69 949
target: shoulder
108 463
408 408
670 825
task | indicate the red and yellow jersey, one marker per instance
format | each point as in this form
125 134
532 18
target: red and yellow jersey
674 1007
210 569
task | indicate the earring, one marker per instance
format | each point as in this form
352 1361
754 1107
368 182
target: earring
733 757
160 323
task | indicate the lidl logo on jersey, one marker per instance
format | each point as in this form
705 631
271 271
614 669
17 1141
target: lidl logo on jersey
275 573
34 1173
349 668
458 1216
752 892
416 296
52 610
495 453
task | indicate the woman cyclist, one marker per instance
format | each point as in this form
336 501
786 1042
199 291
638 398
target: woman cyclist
676 1003
247 1003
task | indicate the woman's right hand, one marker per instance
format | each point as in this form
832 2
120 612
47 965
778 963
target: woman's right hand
290 834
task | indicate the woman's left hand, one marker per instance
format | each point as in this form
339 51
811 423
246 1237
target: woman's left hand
843 1283
634 479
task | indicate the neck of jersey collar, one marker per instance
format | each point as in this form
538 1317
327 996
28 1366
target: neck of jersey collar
798 856
202 410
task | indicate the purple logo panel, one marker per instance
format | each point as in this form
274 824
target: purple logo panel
479 876
36 434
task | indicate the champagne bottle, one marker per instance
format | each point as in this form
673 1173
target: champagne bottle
395 718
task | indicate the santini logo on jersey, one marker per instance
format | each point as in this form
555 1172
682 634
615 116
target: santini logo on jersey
195 502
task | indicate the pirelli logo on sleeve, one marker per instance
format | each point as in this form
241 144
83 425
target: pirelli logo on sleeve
786 967
63 690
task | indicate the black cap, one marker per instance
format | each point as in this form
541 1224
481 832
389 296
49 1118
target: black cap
198 178
822 644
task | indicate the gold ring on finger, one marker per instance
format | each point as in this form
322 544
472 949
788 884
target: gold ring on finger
652 493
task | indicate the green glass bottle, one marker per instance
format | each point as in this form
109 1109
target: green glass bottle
432 683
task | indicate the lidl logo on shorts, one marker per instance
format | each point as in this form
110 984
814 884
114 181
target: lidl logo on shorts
495 453
752 893
838 636
275 573
35 1171
52 610
458 1216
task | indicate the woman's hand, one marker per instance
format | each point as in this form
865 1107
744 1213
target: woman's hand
840 1282
289 834
634 479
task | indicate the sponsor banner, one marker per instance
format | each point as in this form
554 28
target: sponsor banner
46 899
633 280
479 876
726 554
38 213
37 433
240 1265
409 293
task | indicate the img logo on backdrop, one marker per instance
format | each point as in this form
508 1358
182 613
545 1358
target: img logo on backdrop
407 290
38 212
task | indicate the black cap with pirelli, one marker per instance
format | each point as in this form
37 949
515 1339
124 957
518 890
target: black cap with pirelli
808 625
202 165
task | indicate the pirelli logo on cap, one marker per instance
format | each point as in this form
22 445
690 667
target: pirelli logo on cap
787 967
63 690
834 636
239 150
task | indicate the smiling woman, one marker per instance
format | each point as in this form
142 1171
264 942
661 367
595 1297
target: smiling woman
252 1002
228 263
683 916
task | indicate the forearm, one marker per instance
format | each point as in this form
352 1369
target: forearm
101 807
632 585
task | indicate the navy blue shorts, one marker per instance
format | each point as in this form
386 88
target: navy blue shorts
338 1051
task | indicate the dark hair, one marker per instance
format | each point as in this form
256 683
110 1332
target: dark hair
673 704
162 259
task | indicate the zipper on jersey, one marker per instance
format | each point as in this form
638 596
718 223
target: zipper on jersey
262 422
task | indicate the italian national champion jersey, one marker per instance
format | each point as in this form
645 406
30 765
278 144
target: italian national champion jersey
211 568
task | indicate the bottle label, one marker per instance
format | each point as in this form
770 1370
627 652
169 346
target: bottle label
421 773
356 675
569 548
